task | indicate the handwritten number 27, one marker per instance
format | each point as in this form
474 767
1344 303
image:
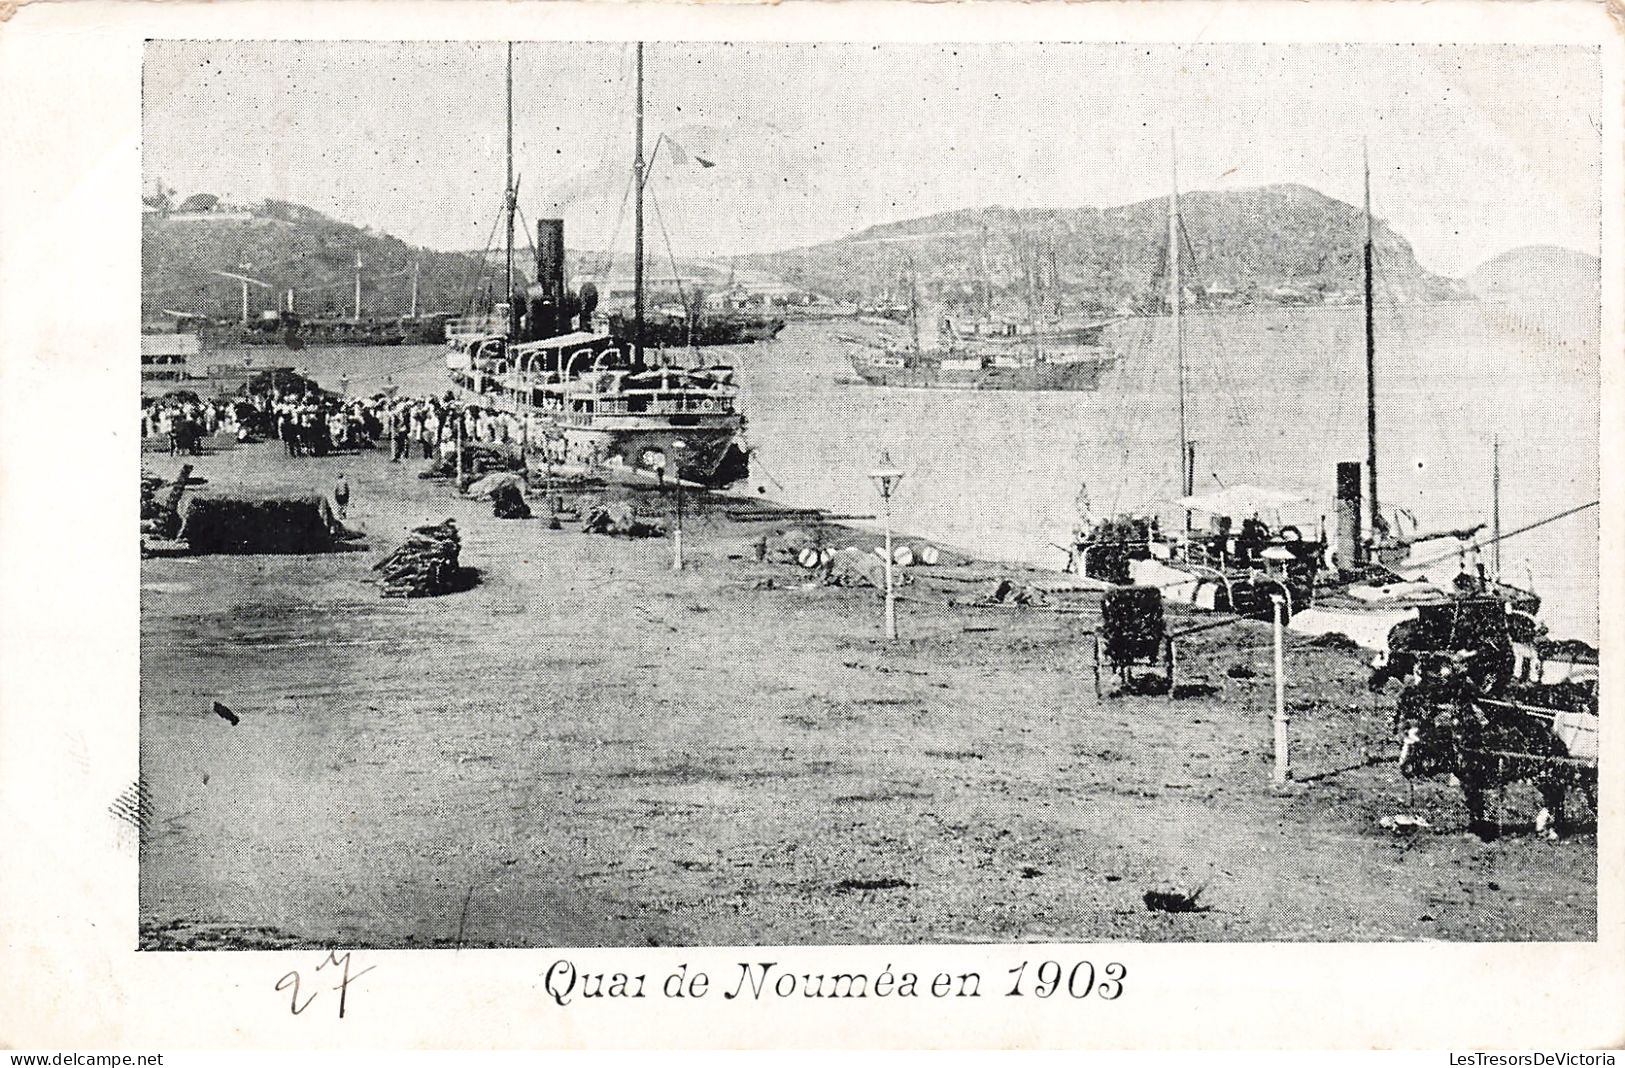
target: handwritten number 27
291 981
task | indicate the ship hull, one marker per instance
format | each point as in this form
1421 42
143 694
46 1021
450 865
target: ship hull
1036 377
636 442
676 333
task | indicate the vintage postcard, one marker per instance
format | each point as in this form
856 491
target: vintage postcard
965 525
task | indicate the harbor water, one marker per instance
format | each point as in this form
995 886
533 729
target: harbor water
1274 397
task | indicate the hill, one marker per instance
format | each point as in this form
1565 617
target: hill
1539 274
287 245
1279 244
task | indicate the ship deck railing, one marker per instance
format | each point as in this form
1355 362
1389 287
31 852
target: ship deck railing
471 326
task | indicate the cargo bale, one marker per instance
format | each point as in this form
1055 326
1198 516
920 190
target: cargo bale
854 567
787 546
269 525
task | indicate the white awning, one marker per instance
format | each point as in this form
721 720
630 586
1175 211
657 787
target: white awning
1240 500
577 340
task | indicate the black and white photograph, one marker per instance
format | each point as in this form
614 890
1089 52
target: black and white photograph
629 494
647 494
804 525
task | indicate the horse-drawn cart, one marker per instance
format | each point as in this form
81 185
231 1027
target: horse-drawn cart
1132 634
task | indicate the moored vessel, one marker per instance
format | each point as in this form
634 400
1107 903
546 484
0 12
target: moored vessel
593 395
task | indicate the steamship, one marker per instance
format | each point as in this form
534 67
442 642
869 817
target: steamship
701 329
1017 362
540 356
1036 357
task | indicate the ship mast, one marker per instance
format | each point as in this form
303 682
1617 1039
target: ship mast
1378 527
512 203
1174 300
1495 508
913 305
637 255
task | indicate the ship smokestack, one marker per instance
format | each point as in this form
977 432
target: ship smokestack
550 258
546 303
1350 545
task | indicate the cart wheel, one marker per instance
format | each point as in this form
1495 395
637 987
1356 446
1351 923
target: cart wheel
1097 666
1170 661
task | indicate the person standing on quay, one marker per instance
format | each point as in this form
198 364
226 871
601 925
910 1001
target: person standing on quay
400 426
341 496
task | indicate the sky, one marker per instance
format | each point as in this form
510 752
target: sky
1474 149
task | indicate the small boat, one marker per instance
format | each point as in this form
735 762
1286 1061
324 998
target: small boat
1241 563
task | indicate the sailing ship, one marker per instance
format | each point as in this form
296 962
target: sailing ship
541 357
987 354
698 328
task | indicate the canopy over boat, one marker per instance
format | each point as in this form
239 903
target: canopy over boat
1240 500
580 339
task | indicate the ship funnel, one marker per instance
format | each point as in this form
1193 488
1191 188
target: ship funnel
550 257
589 304
1350 547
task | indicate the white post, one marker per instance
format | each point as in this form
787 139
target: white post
891 590
886 479
677 537
678 451
1283 769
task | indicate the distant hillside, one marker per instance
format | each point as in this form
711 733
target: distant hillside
1280 244
1539 274
287 245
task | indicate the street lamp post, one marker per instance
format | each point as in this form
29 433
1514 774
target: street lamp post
678 447
886 478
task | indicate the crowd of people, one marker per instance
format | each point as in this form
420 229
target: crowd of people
310 422
184 421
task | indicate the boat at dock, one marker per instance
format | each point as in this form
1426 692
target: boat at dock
601 396
1253 551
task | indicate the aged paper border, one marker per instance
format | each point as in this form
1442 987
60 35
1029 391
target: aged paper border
69 248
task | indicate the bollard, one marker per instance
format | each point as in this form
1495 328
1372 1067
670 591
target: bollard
1283 769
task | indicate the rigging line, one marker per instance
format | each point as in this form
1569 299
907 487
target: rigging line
1486 542
677 275
468 275
1115 442
1237 412
1149 371
1139 381
1408 565
1144 420
603 272
530 241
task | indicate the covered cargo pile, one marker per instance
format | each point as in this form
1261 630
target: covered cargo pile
425 564
854 567
614 517
478 459
790 546
506 489
161 518
268 525
508 502
279 381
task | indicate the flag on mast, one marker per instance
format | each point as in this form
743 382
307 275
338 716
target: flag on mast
682 156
